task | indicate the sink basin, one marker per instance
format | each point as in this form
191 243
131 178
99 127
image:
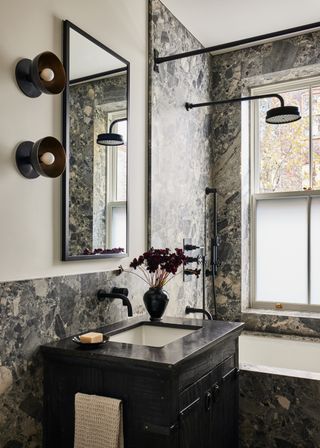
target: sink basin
152 335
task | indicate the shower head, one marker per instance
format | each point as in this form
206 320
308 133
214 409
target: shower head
278 115
110 138
283 114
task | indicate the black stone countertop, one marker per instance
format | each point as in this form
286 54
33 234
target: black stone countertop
207 335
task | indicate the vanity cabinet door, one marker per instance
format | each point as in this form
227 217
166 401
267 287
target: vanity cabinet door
224 411
195 416
209 410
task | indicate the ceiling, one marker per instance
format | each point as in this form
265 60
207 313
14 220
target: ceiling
214 22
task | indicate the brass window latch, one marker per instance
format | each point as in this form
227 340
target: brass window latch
279 306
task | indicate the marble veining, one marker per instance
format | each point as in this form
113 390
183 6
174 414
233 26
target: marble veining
180 157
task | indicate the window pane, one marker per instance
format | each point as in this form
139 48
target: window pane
121 173
122 129
118 227
121 155
284 149
316 137
315 251
282 250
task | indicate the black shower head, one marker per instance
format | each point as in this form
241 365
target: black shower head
282 115
110 139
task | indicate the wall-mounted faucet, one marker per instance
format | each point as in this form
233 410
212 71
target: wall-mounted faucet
116 293
190 310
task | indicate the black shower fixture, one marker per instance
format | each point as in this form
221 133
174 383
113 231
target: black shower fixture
236 45
283 114
278 115
110 138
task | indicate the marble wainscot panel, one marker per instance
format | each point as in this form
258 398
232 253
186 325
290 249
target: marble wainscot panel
33 312
233 73
279 411
180 156
90 104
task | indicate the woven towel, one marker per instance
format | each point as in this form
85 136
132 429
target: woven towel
98 422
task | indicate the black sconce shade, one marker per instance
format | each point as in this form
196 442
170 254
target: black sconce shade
45 157
44 74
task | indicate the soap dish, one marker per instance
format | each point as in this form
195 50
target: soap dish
90 345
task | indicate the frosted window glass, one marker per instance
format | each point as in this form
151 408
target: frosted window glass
315 251
118 227
282 250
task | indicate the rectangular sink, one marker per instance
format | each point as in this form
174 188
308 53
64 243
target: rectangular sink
152 335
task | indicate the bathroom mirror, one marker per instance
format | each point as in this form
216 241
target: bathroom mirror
95 138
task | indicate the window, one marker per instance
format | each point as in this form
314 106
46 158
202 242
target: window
285 200
116 185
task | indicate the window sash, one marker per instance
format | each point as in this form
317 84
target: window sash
256 196
279 88
111 207
253 258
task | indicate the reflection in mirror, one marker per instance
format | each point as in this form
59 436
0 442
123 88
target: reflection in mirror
96 122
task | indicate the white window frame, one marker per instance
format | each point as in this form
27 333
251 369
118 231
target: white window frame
111 175
255 196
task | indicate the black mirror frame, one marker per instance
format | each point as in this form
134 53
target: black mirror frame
67 25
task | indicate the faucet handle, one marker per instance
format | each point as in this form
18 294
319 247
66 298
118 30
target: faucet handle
123 291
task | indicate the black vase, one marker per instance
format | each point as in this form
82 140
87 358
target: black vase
156 301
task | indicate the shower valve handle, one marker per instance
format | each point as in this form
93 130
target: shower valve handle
189 247
197 259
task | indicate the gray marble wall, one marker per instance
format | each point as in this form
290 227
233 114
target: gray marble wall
203 147
233 73
180 143
33 312
279 411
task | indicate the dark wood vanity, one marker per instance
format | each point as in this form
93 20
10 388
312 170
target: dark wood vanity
184 394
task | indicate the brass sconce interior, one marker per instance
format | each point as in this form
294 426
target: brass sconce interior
44 74
46 157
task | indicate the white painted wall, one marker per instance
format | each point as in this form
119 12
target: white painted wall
30 210
215 22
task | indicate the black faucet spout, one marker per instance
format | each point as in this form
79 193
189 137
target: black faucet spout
189 310
116 293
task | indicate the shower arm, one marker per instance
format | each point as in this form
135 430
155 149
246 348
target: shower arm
236 100
115 122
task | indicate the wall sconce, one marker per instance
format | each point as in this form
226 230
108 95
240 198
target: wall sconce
44 74
45 157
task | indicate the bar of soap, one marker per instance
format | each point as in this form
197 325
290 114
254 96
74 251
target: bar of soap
91 337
